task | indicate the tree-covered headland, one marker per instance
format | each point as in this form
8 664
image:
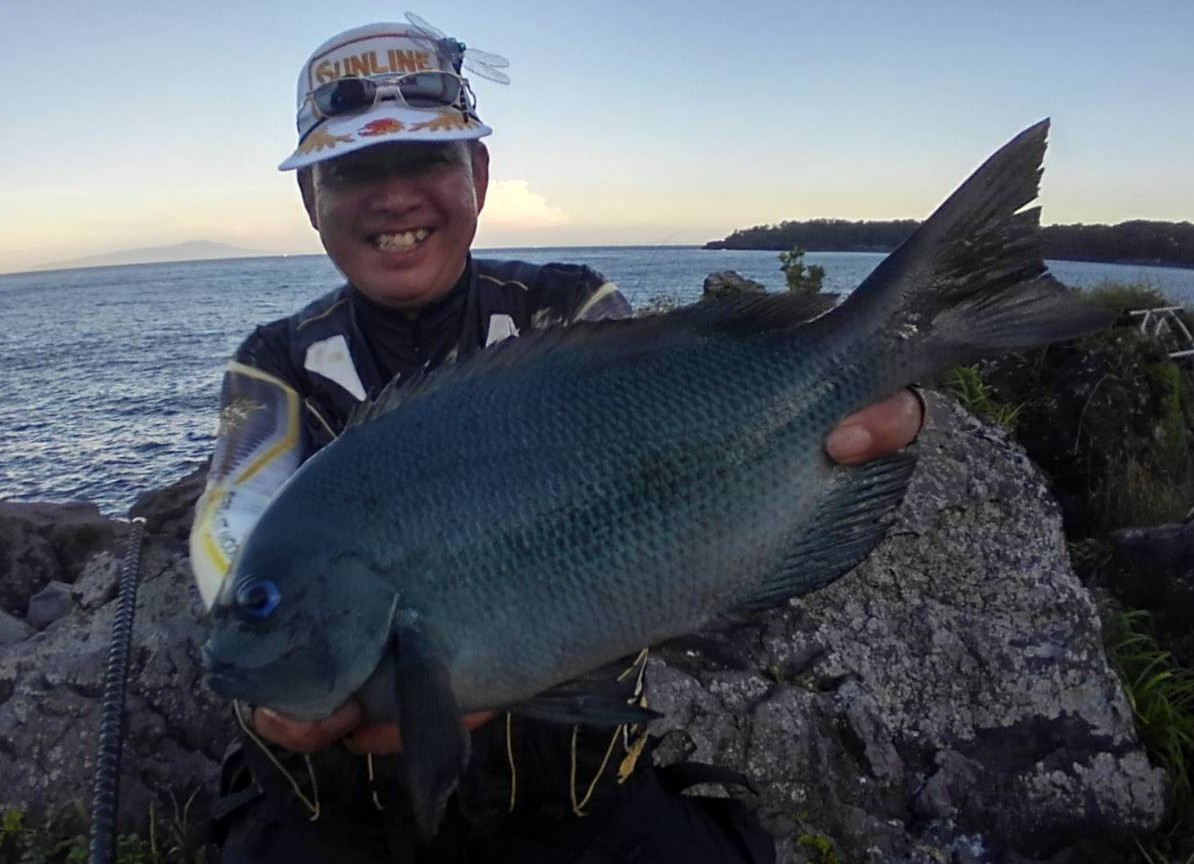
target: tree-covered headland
1167 244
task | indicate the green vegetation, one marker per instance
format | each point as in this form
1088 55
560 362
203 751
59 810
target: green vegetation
1123 297
965 383
800 278
1110 419
821 234
821 845
1161 693
62 839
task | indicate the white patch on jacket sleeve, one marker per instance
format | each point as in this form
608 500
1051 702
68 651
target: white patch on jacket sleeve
330 358
258 447
500 327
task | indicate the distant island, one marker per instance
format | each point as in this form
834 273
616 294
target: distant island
194 250
1161 244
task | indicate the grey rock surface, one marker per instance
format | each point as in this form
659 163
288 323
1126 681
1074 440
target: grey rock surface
948 700
41 543
13 629
49 604
50 688
729 283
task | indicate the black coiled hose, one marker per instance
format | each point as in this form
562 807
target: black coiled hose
107 762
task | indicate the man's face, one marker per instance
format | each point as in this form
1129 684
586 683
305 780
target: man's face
398 219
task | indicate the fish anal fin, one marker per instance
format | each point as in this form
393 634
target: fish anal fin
434 743
598 698
848 524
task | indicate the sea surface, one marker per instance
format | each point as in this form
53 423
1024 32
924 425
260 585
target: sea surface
110 376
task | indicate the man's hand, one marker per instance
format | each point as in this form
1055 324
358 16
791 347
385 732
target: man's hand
300 736
877 430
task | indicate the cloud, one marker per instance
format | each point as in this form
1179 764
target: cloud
511 204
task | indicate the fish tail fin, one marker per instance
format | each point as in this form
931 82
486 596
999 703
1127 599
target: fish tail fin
971 280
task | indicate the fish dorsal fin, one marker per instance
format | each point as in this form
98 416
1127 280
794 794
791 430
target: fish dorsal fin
754 312
624 338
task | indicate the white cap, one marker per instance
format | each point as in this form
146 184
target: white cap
403 61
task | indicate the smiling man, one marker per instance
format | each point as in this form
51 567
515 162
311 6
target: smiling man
393 176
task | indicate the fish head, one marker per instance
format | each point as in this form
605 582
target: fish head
298 626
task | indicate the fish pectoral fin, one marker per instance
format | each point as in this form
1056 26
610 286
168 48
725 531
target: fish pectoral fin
847 525
434 743
595 699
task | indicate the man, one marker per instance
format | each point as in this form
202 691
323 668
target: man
393 176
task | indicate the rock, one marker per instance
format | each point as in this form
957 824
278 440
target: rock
951 693
728 283
13 629
169 512
99 581
51 686
27 561
41 543
49 604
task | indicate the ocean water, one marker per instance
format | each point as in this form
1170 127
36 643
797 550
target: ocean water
110 376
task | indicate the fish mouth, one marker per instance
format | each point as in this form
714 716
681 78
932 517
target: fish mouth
232 679
236 686
399 241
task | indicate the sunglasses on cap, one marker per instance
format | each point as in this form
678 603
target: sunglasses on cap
415 90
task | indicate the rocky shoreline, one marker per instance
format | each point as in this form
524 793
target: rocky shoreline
947 701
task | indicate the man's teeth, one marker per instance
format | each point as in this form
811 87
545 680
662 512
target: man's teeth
400 242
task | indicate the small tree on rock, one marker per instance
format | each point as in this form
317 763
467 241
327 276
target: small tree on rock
801 279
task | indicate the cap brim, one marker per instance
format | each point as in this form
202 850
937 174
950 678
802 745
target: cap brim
337 136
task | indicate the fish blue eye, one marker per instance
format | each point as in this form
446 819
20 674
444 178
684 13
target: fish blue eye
258 598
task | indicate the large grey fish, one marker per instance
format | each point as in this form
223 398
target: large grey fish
560 501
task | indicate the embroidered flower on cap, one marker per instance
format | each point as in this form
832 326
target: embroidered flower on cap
381 127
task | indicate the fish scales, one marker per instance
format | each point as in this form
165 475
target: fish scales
599 518
571 496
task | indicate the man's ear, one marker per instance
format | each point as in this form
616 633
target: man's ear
480 155
306 183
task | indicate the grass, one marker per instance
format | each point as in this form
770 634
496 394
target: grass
1161 693
966 384
61 838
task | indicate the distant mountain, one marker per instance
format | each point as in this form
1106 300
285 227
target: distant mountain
194 250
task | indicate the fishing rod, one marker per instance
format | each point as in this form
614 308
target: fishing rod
110 739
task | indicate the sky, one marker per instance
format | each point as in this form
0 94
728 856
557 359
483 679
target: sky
133 123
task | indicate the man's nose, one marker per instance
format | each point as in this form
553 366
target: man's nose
394 193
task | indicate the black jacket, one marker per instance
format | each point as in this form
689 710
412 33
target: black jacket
493 299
